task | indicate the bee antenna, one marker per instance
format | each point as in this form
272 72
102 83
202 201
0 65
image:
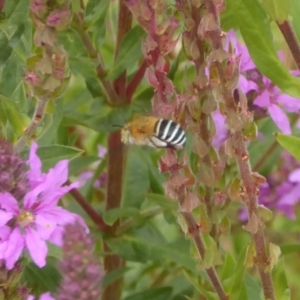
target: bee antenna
116 125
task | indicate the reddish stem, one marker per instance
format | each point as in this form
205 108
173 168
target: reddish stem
83 202
135 81
113 262
242 157
291 39
2 3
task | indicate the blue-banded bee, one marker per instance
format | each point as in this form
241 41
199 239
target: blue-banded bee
154 132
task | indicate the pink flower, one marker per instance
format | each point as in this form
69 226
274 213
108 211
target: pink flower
45 296
221 129
272 99
37 218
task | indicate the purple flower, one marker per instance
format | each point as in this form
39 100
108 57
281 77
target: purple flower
272 99
246 63
28 224
45 296
82 273
281 191
221 129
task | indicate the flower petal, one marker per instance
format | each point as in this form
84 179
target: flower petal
5 232
56 237
15 246
46 296
295 176
34 174
9 203
289 103
5 217
37 247
44 226
263 100
280 119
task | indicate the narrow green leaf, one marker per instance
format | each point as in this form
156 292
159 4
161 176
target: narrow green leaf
42 279
295 12
95 12
12 115
289 143
5 47
129 53
278 9
17 35
144 249
281 286
16 10
81 163
153 294
194 280
290 248
51 155
110 277
255 29
136 178
112 215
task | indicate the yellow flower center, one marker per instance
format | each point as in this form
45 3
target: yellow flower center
25 218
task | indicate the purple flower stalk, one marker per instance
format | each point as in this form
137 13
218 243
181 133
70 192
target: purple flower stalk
82 274
27 223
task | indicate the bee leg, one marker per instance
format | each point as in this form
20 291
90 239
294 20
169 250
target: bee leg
155 144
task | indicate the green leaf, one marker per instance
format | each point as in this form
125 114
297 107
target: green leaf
110 277
144 249
54 122
282 290
290 248
255 29
129 53
42 279
162 200
5 47
16 10
278 9
9 112
51 155
95 19
253 288
136 178
295 12
153 294
194 280
112 215
81 163
289 143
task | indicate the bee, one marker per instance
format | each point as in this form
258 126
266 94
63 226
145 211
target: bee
153 132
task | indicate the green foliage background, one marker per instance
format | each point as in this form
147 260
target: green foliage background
161 262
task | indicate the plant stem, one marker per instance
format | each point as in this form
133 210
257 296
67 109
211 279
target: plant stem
116 162
2 3
35 122
83 202
135 81
108 88
291 39
193 229
242 158
113 262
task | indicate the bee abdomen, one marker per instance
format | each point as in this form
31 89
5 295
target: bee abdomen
170 132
